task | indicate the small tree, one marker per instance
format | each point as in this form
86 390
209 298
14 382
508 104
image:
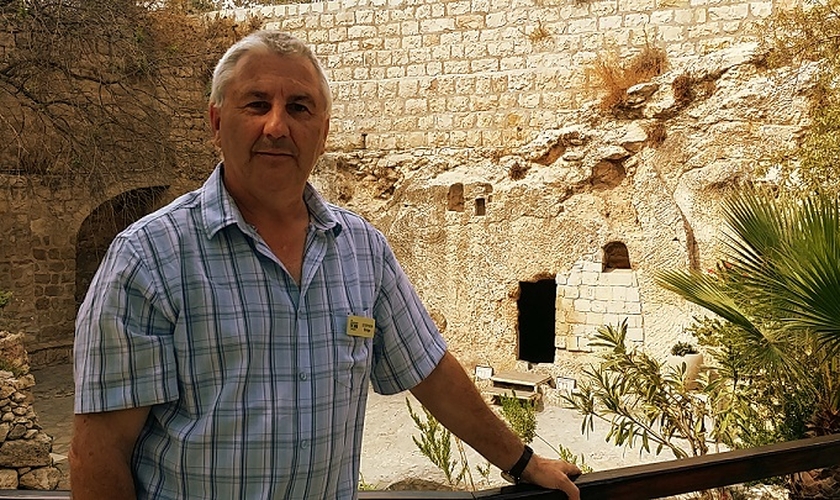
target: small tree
645 403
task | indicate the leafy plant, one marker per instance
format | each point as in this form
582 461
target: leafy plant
365 486
569 456
644 403
5 297
435 443
521 416
683 348
776 291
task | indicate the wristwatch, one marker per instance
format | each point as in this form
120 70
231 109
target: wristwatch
514 475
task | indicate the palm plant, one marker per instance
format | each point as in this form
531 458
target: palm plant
778 287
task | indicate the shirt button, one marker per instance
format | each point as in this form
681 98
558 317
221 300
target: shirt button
304 444
303 376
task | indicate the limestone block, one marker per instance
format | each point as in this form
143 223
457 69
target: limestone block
25 382
618 277
598 306
634 138
590 278
612 319
13 352
560 342
8 479
593 267
616 307
17 432
634 321
618 293
31 453
728 12
571 292
603 293
635 334
612 152
633 308
761 9
46 478
595 319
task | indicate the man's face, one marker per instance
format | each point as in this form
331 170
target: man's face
272 124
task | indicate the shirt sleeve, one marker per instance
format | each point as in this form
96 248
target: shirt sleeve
123 350
407 345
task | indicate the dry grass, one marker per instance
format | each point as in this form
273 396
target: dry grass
518 171
687 88
683 88
656 133
615 77
539 34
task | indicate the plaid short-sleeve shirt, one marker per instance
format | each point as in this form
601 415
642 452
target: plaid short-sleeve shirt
256 389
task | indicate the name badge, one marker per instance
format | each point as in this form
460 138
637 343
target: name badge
359 326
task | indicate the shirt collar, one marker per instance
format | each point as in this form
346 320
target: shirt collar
219 209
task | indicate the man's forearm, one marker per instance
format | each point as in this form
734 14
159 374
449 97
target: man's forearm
100 475
100 454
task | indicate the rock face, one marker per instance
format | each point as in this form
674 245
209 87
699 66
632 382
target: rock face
25 449
595 206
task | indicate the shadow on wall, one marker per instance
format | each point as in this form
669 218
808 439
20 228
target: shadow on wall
103 224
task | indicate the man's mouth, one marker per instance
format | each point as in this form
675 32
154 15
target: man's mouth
274 153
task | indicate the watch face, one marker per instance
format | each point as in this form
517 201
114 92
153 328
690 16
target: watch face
507 477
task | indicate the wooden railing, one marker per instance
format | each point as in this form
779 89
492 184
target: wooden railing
640 482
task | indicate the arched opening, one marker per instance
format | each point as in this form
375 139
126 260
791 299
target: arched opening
615 256
536 305
455 198
100 227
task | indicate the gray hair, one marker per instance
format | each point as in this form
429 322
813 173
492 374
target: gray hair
273 42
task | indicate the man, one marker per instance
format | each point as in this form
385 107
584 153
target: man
225 345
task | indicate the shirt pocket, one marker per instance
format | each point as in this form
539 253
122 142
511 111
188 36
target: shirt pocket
352 355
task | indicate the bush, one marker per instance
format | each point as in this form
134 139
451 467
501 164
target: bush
614 77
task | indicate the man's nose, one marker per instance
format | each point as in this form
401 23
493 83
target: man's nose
276 123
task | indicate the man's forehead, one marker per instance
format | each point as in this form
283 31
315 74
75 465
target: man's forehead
264 74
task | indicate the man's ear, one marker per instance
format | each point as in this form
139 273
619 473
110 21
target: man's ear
324 139
215 123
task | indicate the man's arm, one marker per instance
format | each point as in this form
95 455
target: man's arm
449 394
100 453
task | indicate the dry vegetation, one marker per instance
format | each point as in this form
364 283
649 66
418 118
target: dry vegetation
89 89
656 133
539 34
812 35
614 77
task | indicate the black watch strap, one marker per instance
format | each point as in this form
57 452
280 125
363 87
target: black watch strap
514 475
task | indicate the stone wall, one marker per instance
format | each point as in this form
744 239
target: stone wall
487 73
25 449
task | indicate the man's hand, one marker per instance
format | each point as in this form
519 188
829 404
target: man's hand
450 395
552 474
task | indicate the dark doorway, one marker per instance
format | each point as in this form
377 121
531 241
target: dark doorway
100 227
536 320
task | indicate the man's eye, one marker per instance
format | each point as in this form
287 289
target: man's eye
258 105
297 107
